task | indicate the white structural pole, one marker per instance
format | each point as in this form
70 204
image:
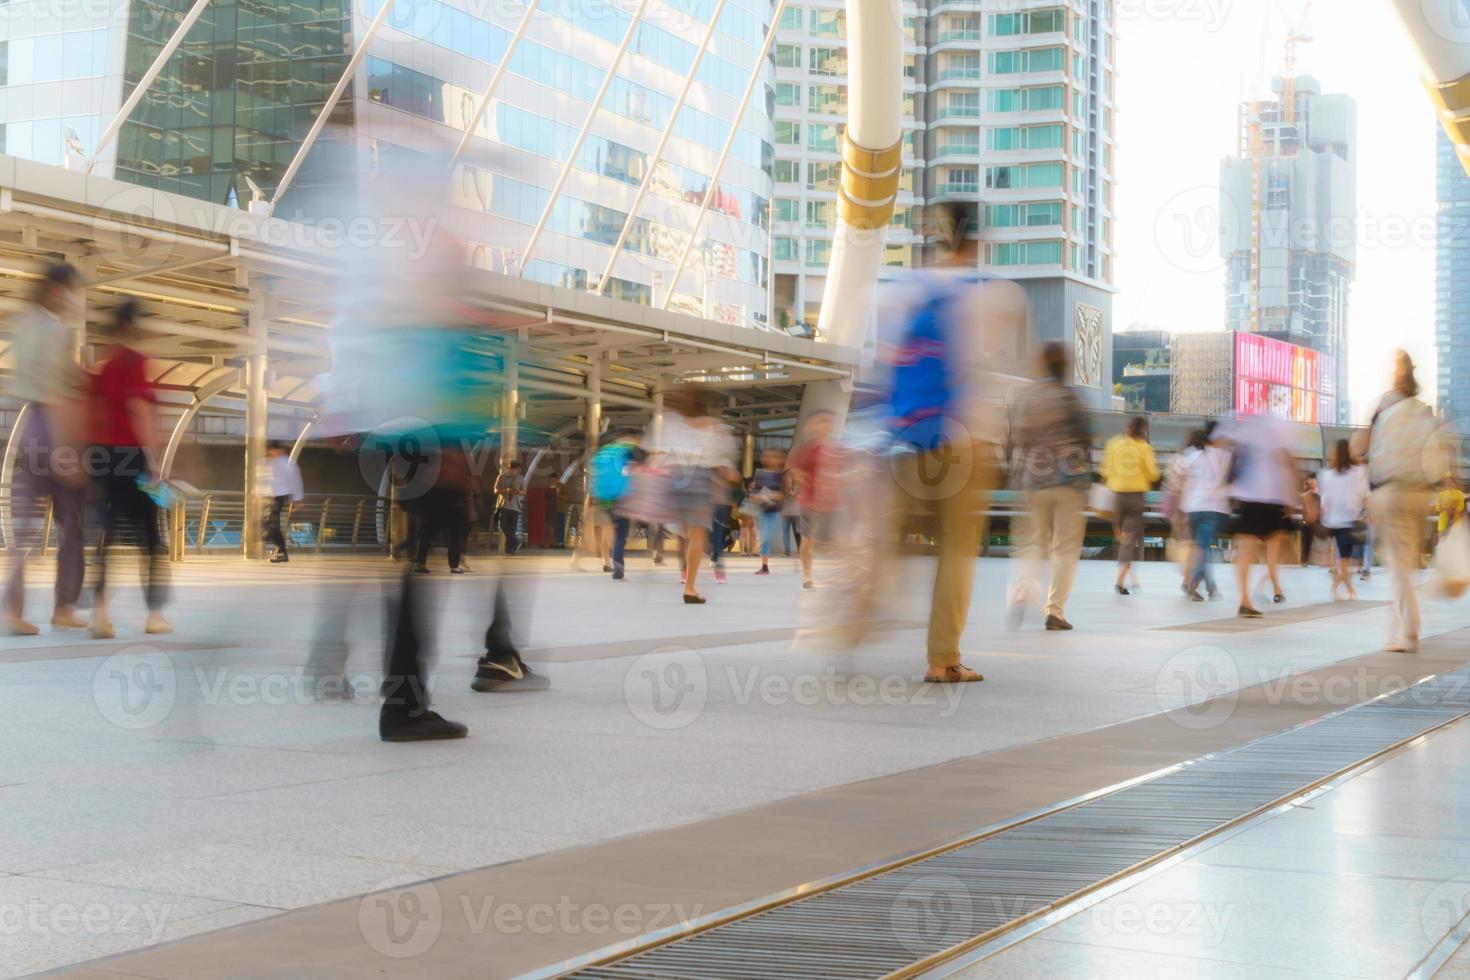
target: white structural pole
495 77
256 409
872 163
658 152
7 481
146 82
571 161
714 184
330 105
1440 32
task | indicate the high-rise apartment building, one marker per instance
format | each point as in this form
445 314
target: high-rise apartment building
1452 281
1010 104
240 94
1288 205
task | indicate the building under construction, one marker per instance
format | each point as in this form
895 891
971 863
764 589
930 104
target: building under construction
1288 205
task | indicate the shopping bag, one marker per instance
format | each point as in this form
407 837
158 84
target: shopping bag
1101 501
1452 561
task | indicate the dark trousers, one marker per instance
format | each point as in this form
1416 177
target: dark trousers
125 504
273 532
509 523
621 526
717 533
405 687
790 525
34 483
442 511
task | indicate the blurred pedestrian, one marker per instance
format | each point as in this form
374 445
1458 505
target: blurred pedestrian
1204 498
1403 465
51 387
443 511
510 490
1344 492
698 452
609 485
125 437
955 330
281 484
1129 470
1265 487
817 483
1055 444
1311 519
768 494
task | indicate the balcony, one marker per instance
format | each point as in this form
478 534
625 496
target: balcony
958 112
959 36
965 187
958 150
959 74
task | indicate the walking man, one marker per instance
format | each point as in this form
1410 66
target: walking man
511 487
1053 441
49 382
283 487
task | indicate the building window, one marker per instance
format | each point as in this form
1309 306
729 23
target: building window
788 94
788 133
819 214
823 176
1024 253
788 56
960 180
1033 59
818 251
1047 21
822 136
829 100
786 249
827 61
786 172
828 23
786 209
960 66
791 19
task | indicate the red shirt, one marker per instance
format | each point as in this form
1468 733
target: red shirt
122 378
818 486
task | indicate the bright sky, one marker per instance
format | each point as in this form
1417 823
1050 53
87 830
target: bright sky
1184 65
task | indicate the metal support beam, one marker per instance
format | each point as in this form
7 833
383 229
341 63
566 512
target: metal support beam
714 185
571 160
658 152
224 380
144 83
329 106
499 73
7 477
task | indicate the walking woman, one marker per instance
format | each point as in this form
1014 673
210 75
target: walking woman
1266 489
1344 490
125 432
1129 470
768 494
699 451
1204 497
1403 465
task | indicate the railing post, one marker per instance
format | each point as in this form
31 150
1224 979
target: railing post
357 524
321 525
204 521
46 529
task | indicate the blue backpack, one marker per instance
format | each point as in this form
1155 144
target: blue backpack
924 391
609 479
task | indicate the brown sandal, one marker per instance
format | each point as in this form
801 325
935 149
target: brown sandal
956 674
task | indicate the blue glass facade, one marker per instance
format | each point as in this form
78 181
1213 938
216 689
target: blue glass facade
1452 282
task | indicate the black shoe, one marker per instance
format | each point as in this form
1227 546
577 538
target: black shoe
606 567
694 600
427 727
502 671
1121 590
658 559
1214 594
617 573
1246 612
279 558
1055 623
421 569
1278 598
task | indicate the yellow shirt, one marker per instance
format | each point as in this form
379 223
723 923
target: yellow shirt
1128 465
1450 504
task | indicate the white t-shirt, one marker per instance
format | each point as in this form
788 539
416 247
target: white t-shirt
695 445
1206 479
1344 496
1262 475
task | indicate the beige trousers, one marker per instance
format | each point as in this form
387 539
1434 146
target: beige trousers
1055 526
1398 521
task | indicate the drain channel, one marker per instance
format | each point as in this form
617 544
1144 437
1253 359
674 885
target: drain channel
910 918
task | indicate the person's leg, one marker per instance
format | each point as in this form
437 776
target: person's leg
67 509
1401 526
1068 527
621 526
1246 547
144 515
804 546
456 525
717 533
1274 546
957 541
273 525
429 519
1126 543
769 525
693 552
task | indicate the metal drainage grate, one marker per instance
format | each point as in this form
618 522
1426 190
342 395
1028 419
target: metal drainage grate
896 919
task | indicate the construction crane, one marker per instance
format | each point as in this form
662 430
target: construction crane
1296 36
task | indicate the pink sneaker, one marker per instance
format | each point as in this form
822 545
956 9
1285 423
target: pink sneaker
719 576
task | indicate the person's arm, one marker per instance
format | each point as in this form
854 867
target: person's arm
1150 464
1107 461
143 417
